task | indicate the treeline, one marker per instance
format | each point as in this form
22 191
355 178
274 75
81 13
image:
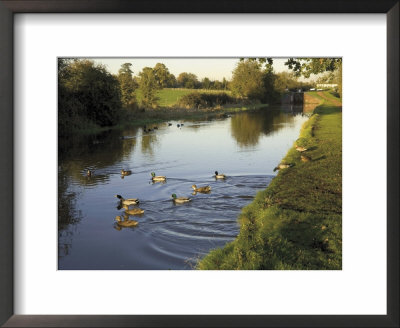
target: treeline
90 96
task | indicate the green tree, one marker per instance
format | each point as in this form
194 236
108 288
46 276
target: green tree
225 84
127 84
206 83
285 80
171 81
187 80
247 80
162 75
148 86
308 66
217 85
87 93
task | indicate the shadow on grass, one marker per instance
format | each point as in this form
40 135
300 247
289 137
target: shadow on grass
319 158
325 110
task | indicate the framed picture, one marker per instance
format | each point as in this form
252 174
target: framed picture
224 94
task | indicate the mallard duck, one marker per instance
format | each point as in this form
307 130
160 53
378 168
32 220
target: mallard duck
89 173
133 211
283 166
219 176
158 177
129 201
305 158
201 189
180 200
126 172
300 149
126 222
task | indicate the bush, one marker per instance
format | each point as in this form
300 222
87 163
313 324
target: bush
200 100
87 92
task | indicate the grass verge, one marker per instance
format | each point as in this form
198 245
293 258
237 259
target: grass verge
296 222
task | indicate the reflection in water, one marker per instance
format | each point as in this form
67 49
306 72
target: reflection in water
125 223
247 128
164 236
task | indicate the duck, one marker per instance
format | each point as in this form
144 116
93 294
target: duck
178 125
169 124
129 201
219 176
182 124
133 211
89 173
305 158
180 200
126 172
158 177
155 128
126 222
283 166
301 149
201 189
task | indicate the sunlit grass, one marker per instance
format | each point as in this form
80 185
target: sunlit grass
296 223
168 97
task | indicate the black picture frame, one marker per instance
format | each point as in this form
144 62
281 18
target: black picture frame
10 7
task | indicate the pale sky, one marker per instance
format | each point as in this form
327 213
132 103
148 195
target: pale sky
213 68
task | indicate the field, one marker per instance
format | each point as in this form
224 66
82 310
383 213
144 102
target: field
296 222
168 97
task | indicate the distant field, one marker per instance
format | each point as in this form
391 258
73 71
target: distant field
169 97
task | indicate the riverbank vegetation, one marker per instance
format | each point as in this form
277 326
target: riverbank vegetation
90 98
296 222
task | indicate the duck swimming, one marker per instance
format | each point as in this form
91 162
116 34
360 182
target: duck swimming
126 222
180 200
219 176
127 202
204 189
126 172
89 173
282 166
133 211
158 177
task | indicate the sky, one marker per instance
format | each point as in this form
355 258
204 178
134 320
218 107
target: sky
213 68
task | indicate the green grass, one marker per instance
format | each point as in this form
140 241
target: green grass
296 222
168 97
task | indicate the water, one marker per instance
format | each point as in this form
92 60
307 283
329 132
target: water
246 147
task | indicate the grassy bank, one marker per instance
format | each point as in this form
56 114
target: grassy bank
296 222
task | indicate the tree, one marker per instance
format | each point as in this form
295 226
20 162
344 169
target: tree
148 85
308 66
127 84
247 80
206 83
162 75
171 81
285 80
225 84
217 85
187 80
87 92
